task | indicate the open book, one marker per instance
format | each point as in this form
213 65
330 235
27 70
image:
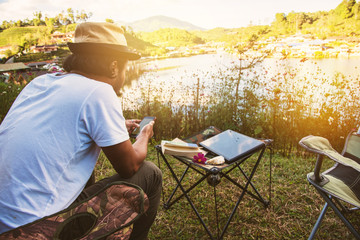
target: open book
178 147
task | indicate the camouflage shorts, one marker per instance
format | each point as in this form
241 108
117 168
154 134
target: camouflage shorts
109 214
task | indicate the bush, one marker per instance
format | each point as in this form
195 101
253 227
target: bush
39 57
283 106
8 94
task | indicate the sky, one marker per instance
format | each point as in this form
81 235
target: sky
207 14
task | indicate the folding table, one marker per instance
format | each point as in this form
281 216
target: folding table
213 175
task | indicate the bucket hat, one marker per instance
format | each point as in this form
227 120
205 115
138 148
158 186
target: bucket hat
101 38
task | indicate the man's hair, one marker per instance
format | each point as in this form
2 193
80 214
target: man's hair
92 64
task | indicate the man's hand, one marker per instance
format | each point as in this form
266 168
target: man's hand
148 131
126 157
132 124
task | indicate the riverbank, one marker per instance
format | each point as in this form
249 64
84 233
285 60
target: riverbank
294 46
293 210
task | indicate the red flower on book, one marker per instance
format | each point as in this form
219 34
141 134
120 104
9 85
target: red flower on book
199 158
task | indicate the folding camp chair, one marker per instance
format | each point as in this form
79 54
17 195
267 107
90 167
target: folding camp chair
339 185
108 214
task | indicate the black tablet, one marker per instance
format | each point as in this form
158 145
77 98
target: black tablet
232 145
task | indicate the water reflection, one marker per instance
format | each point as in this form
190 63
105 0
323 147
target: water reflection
175 79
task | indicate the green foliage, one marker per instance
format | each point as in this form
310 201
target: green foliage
8 53
343 21
293 210
66 28
231 36
212 34
8 94
145 48
344 9
14 36
283 106
171 37
39 57
64 18
286 115
150 104
25 37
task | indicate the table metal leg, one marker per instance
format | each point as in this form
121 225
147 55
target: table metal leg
265 202
242 194
213 183
188 198
167 205
216 213
258 195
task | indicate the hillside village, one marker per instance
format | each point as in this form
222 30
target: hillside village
299 46
295 46
57 39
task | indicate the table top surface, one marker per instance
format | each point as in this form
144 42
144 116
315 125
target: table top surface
210 167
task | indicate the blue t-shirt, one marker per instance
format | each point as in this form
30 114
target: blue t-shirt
50 141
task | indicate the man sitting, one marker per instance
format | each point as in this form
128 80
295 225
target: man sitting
52 136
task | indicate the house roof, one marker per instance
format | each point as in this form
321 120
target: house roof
12 67
38 64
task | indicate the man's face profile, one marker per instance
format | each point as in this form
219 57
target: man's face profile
120 78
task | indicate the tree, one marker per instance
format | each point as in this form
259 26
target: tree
293 21
280 22
8 53
27 22
62 18
356 11
247 61
71 16
36 22
109 20
19 23
50 22
280 18
37 19
344 9
26 42
83 16
5 25
301 19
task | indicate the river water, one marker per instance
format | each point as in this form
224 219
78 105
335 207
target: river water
178 74
179 67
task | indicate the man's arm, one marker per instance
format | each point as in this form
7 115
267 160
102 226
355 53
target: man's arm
126 157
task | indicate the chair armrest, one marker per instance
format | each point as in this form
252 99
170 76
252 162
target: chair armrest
322 147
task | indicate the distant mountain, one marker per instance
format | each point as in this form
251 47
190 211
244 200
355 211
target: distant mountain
157 22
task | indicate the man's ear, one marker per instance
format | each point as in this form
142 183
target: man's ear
114 69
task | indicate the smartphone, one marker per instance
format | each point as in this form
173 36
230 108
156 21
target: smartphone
142 124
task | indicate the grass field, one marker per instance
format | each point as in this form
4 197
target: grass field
15 34
293 211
